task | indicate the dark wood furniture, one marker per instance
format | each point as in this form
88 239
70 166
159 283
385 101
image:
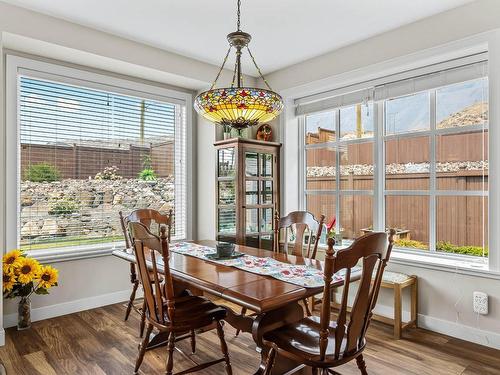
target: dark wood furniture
301 222
320 343
247 185
170 313
153 220
274 302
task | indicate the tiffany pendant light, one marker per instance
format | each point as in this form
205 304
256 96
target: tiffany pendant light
238 106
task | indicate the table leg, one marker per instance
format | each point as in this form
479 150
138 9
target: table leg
261 323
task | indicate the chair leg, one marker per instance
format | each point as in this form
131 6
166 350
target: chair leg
271 356
142 348
170 354
306 305
131 299
243 312
314 371
361 364
193 341
143 318
223 346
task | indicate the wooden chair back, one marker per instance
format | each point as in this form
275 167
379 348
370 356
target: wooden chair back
152 219
303 222
373 251
149 248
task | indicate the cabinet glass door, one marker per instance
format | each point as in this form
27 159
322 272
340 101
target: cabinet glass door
259 199
226 194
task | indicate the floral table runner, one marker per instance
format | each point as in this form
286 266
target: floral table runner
306 276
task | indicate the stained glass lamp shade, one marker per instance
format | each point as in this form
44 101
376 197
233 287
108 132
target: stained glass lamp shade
238 106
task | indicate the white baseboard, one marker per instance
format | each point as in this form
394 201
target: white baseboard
460 331
446 327
52 311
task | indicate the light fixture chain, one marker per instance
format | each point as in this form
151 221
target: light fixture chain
258 69
221 68
234 73
239 16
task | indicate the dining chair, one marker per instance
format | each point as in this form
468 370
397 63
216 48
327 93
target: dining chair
152 219
176 315
303 222
320 343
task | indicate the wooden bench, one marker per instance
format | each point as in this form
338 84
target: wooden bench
398 282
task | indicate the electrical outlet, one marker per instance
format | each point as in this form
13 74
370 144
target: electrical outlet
480 302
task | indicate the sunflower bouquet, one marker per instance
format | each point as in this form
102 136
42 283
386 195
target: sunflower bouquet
24 276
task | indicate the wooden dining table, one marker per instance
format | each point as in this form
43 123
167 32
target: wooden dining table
274 302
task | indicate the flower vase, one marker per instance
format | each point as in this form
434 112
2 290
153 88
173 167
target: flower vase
24 314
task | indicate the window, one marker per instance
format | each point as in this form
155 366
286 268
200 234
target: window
436 168
339 156
86 153
430 135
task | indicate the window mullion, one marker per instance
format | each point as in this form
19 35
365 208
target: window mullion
337 170
379 168
432 170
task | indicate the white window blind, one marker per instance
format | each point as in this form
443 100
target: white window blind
86 154
406 83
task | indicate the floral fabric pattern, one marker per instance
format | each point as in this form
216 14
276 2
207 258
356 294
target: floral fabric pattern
302 275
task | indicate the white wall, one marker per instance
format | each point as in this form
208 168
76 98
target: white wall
445 297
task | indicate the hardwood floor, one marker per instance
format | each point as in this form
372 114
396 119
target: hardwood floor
99 342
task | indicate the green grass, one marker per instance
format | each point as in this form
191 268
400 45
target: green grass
68 242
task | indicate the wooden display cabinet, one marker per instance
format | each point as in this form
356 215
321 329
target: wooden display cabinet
247 191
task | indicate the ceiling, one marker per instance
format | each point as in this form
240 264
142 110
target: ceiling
284 32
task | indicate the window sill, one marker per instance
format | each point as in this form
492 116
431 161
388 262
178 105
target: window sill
460 264
64 254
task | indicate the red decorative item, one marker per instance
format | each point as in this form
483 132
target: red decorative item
331 224
264 133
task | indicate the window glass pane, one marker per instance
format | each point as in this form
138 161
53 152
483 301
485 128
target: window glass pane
227 160
407 114
323 204
462 161
320 168
462 225
266 224
409 215
226 192
87 154
267 192
252 224
251 192
407 163
356 166
320 127
462 104
356 215
227 220
251 164
356 121
267 165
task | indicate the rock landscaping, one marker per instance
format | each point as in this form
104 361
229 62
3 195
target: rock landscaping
87 207
367 170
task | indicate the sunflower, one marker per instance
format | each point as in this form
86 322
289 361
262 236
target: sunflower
48 277
9 279
11 260
28 270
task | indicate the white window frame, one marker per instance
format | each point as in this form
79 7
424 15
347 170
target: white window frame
379 192
17 66
489 42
